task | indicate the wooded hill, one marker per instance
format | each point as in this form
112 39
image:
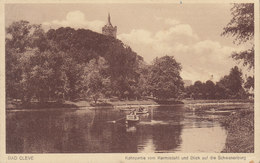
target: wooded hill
67 64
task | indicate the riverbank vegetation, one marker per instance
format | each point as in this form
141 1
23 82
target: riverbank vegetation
240 126
240 132
241 28
228 87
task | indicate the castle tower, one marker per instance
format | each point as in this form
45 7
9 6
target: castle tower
108 29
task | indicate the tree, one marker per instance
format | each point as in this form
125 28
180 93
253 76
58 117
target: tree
198 90
22 35
189 91
235 80
142 85
241 26
230 86
96 80
94 85
164 80
247 56
23 40
210 89
250 82
222 88
250 85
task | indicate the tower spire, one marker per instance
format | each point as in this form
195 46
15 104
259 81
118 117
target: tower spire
108 19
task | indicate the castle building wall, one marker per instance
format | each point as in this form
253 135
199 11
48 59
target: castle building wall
108 29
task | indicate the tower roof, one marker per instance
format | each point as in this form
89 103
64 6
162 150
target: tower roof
108 20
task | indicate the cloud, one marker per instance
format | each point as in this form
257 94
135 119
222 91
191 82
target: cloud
205 58
199 58
176 28
137 36
149 45
177 32
76 19
162 42
169 21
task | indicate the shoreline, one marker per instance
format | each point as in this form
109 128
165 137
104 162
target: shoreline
13 105
240 132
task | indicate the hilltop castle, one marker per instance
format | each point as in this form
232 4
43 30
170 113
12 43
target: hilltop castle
108 29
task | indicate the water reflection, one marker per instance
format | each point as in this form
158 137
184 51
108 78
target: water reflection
163 129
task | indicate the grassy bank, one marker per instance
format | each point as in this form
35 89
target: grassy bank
240 132
218 101
16 104
111 103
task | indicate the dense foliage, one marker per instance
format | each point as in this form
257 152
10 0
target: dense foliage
69 64
241 26
165 81
228 87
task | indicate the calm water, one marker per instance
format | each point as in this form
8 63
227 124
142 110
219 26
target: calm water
164 129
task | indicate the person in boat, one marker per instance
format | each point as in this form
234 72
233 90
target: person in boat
133 113
141 109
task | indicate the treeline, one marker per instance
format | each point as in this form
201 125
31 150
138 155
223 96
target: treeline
69 64
230 86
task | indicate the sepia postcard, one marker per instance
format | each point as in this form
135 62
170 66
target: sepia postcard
129 81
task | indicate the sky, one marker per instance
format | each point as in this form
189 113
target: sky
189 32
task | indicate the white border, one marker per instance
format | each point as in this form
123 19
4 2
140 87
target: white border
83 158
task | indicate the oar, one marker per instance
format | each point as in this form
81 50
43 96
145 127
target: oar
117 120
